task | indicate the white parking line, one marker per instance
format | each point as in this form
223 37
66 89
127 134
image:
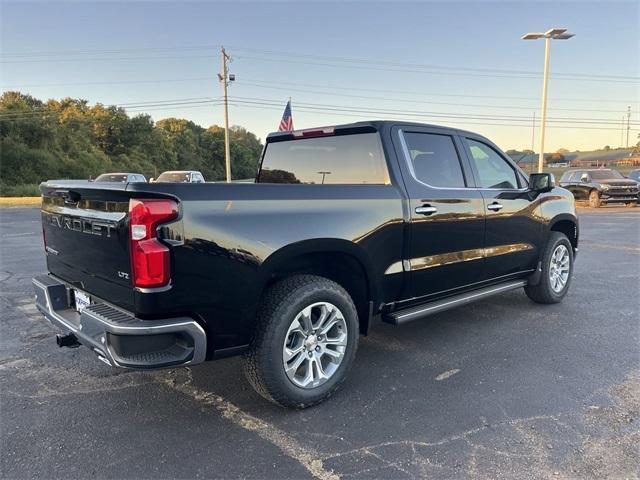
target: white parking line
308 458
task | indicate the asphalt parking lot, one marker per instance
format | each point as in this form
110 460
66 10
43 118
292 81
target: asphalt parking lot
503 387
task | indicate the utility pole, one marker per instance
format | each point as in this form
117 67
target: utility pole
628 119
225 78
622 132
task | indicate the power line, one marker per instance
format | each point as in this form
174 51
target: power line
405 117
109 59
436 114
333 87
349 112
435 72
108 82
580 120
101 52
325 58
142 107
527 76
427 66
411 100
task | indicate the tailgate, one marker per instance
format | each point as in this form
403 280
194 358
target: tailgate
85 227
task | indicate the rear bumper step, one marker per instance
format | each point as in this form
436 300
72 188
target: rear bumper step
117 337
414 313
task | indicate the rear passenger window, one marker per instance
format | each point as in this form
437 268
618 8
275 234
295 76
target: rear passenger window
493 170
434 160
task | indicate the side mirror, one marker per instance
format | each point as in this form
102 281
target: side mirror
151 180
541 182
584 178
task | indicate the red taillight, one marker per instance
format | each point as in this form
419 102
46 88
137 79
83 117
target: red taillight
150 262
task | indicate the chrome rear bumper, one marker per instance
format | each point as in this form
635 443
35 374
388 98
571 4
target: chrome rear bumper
116 336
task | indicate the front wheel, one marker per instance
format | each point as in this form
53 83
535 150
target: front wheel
594 199
557 269
305 341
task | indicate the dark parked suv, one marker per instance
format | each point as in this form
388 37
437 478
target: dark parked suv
344 225
600 186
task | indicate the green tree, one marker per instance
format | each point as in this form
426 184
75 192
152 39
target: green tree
68 138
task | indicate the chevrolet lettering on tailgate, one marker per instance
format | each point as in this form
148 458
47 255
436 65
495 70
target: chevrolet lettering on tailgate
83 225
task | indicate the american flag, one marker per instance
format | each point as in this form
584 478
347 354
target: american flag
286 124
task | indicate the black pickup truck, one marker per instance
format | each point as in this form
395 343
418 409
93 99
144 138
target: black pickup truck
343 225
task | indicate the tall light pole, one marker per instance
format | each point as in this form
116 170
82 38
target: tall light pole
553 34
225 78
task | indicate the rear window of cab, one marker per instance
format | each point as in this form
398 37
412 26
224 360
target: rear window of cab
336 160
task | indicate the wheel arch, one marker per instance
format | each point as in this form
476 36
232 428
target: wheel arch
339 260
568 225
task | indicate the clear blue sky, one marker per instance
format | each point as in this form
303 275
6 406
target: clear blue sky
127 53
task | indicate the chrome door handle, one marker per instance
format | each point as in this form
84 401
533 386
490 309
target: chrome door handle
494 206
426 210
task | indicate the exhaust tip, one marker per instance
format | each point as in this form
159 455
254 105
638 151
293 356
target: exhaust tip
68 340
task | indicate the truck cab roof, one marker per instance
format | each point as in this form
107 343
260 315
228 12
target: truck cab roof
363 126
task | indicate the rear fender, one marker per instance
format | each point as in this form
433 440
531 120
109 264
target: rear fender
288 255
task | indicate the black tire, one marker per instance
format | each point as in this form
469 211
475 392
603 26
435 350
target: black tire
543 292
594 199
280 305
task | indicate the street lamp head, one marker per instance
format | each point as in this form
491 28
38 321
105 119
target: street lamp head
554 33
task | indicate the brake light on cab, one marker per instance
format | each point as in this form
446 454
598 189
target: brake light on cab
150 259
314 132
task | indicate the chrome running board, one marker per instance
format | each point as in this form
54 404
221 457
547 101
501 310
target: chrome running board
414 313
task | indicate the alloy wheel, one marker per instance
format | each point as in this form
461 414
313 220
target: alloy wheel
559 268
315 345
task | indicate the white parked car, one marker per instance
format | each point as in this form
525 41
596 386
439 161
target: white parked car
180 176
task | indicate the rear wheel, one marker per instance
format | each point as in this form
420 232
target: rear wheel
557 268
305 341
594 199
